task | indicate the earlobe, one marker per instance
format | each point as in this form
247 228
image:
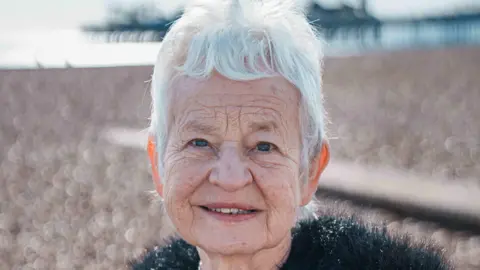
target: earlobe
323 160
317 167
152 154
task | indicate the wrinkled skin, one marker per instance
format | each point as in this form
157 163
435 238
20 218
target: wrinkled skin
235 142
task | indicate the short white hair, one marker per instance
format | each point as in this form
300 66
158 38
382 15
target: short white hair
243 40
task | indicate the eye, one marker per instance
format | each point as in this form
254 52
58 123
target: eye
198 143
265 147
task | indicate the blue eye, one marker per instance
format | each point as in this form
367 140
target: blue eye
264 147
199 143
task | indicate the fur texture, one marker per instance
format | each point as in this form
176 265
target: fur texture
325 243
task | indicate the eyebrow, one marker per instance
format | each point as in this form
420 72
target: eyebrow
202 127
267 126
197 126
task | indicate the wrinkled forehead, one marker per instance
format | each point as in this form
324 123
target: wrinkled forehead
271 101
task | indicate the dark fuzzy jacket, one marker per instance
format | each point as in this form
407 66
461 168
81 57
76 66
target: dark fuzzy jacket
327 243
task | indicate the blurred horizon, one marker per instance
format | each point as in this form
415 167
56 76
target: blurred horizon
52 33
14 16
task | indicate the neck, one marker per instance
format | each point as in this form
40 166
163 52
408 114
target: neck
268 259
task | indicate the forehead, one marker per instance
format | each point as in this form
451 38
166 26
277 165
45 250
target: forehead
273 99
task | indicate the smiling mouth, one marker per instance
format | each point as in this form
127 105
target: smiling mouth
230 211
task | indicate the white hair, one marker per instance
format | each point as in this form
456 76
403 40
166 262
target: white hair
243 40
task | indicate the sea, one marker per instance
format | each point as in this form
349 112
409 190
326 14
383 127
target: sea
62 48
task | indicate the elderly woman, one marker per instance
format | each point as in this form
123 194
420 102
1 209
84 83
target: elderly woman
238 145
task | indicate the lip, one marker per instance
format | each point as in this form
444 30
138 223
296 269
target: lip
240 206
229 218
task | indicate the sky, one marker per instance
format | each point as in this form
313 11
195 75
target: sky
35 14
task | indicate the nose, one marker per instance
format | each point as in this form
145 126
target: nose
230 172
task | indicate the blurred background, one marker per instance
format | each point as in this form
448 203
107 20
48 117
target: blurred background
402 89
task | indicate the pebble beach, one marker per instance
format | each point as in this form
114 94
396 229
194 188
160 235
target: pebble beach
69 199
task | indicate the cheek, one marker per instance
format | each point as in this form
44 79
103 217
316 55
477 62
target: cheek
279 186
181 179
178 187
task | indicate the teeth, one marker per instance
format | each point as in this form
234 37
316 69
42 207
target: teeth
231 211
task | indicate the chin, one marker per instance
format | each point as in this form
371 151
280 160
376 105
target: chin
231 238
239 240
224 234
231 246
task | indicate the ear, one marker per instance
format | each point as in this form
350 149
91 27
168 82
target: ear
317 166
152 154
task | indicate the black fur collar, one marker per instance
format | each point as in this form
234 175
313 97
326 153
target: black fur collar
326 243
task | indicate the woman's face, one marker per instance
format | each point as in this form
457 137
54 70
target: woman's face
232 163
